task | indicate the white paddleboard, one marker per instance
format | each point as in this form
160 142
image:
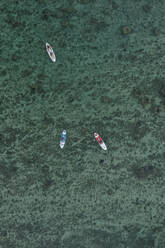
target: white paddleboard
50 51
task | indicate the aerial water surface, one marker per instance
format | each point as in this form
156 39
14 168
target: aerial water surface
108 78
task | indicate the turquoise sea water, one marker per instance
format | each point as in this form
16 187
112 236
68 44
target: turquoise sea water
109 78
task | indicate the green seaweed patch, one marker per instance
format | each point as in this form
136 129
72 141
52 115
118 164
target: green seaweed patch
15 57
36 88
139 130
147 8
70 99
46 14
69 11
7 171
155 31
144 172
11 135
26 72
65 23
41 76
96 24
160 87
105 99
137 92
155 108
64 12
46 178
40 1
125 30
84 1
94 238
3 73
14 23
141 97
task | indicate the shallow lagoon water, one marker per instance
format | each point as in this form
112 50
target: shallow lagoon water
109 79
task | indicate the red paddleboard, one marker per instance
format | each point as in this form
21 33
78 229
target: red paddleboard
100 141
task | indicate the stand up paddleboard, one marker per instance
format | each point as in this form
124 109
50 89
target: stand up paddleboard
63 139
50 51
100 141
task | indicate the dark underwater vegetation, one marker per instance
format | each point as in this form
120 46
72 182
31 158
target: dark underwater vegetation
109 78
